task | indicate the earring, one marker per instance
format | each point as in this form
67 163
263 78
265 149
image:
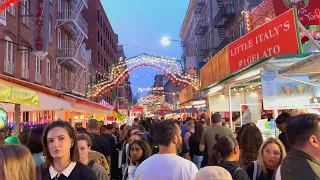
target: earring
71 145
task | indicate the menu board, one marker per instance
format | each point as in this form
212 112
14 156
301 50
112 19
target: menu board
280 93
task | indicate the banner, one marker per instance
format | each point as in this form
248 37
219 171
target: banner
279 93
16 95
276 38
41 25
308 10
216 69
191 65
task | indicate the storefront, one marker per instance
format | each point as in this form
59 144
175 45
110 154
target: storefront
232 80
53 105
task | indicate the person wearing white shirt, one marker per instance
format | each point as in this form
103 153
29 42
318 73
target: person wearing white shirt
167 165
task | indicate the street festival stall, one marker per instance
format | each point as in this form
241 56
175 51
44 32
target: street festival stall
236 72
17 96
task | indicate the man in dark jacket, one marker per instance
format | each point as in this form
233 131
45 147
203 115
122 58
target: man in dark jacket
99 143
303 161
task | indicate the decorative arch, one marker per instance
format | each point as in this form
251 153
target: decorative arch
117 73
154 102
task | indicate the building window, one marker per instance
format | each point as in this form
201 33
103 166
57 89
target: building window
66 78
50 30
38 69
8 54
101 40
242 30
98 36
103 60
58 76
99 57
59 6
25 63
25 12
48 72
12 10
66 45
234 34
239 3
59 39
98 16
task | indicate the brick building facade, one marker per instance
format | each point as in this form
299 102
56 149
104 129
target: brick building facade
103 42
67 65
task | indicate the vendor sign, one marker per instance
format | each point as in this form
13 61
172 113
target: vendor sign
16 95
276 38
279 93
308 10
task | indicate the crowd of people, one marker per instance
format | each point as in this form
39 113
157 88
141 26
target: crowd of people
152 149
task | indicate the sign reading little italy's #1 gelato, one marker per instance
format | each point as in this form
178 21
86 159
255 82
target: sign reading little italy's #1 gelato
276 38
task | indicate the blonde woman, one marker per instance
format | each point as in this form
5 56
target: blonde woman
271 154
16 163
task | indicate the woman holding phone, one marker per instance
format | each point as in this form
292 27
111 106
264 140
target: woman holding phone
139 151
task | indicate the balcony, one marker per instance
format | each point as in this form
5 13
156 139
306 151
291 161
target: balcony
199 6
203 51
86 55
71 18
201 28
24 73
72 87
8 67
38 77
222 44
224 16
70 56
3 18
48 81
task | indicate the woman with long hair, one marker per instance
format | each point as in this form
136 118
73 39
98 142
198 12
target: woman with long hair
271 154
35 146
16 163
139 150
60 148
250 142
194 143
227 154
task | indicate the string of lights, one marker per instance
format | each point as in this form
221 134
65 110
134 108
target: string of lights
120 71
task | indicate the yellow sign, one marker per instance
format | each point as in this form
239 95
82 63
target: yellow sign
16 95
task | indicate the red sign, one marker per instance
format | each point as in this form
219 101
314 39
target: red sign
308 10
276 38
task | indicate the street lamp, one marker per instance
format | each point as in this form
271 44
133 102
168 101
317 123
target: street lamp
166 41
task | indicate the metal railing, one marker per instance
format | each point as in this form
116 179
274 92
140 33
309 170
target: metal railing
86 55
226 12
38 77
8 67
73 13
48 81
72 86
25 73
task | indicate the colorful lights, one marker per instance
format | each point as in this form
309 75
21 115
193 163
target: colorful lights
7 3
119 72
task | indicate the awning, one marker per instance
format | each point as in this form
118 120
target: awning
274 63
47 102
16 95
51 99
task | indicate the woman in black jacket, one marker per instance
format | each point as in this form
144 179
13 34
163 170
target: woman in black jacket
227 153
60 148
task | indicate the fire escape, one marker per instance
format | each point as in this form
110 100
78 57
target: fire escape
70 18
224 17
201 27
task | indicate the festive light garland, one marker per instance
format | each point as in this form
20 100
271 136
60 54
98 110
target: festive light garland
120 71
7 3
151 100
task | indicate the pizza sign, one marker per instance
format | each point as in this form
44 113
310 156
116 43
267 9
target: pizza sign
308 10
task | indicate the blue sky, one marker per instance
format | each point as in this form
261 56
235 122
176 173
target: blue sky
140 25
